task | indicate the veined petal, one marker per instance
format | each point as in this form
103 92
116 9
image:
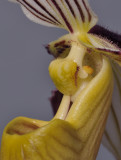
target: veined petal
106 42
104 46
72 15
112 134
103 41
26 139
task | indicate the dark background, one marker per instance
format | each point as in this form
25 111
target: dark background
25 85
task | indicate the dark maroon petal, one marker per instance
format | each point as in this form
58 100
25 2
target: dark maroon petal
55 100
103 45
107 34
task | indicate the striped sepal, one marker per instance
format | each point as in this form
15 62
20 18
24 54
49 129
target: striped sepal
72 15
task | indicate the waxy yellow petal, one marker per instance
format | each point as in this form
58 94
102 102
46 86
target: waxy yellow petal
112 134
71 138
57 140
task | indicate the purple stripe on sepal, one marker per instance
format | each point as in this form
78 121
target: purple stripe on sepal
42 7
38 12
80 10
33 12
89 15
70 7
63 16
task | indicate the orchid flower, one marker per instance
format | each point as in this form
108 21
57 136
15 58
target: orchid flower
82 73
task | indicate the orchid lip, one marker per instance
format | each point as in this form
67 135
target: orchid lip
18 128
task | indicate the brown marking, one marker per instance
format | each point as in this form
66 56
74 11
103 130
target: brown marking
60 43
76 75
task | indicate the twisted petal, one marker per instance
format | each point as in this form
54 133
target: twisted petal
71 15
103 41
105 47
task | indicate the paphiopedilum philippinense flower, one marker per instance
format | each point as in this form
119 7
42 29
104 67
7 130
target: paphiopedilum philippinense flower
82 72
